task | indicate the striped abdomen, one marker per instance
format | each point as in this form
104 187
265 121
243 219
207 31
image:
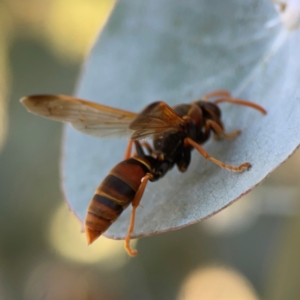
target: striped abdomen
114 194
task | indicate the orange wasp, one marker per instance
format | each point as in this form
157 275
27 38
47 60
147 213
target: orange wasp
175 132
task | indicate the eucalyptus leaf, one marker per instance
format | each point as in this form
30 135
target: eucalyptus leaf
177 51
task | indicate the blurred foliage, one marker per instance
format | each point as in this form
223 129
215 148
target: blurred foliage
5 30
67 27
42 44
284 280
201 284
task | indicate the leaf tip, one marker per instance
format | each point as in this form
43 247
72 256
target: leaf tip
289 12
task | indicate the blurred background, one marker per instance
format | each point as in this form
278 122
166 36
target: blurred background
248 251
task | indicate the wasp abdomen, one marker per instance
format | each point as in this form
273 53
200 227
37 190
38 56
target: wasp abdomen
113 195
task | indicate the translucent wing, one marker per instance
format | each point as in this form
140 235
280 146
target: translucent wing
87 117
156 118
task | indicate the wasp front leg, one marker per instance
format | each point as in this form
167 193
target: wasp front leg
219 131
239 168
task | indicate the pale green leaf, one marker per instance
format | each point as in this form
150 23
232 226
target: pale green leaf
176 51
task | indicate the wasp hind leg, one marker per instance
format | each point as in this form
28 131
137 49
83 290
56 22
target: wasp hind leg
135 203
239 168
128 149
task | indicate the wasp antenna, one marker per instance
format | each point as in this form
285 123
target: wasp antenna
242 102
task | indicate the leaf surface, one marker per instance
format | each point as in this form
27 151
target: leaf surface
177 51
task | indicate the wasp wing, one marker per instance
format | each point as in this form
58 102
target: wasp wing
157 118
90 118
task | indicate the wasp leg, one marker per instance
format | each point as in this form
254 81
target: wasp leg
128 149
217 93
135 204
139 149
239 168
148 147
241 102
219 130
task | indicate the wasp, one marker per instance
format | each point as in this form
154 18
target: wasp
175 132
